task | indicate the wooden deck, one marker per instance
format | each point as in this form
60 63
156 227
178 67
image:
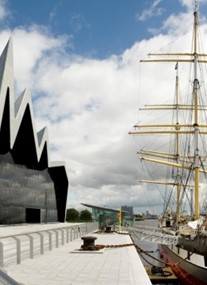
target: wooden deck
160 279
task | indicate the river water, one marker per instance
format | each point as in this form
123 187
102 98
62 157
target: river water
151 248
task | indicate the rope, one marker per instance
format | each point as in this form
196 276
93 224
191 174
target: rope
160 270
101 246
186 277
141 251
175 266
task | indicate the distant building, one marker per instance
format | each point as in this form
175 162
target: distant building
128 209
103 215
128 216
32 188
148 215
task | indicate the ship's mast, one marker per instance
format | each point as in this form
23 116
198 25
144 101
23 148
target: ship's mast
196 123
177 146
176 160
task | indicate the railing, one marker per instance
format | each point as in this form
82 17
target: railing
152 234
15 248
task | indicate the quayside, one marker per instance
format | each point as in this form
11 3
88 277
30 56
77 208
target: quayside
180 161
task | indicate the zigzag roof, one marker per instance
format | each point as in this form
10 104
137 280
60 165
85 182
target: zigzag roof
25 144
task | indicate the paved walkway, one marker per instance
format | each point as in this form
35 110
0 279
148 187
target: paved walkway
68 265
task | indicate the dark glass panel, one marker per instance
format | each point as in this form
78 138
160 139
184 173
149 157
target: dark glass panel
22 188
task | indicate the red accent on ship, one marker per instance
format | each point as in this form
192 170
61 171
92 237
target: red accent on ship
184 277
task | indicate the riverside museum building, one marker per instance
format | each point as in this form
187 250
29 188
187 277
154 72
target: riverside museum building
32 188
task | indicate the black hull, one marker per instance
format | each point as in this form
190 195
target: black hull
188 273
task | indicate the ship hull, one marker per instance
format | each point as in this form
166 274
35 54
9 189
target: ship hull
187 272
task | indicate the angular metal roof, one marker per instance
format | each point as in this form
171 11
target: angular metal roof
18 135
103 208
27 146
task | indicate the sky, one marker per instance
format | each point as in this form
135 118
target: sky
80 59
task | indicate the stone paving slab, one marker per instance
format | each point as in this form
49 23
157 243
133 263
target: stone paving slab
66 265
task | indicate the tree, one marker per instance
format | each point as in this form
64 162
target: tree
72 215
85 216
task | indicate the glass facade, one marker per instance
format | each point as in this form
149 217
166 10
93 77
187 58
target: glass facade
26 195
127 216
107 217
104 217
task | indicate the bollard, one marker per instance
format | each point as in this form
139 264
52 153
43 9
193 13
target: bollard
88 242
108 229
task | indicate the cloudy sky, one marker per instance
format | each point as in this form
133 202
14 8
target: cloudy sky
80 59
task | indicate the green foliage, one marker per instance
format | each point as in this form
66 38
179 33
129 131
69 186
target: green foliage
72 215
85 216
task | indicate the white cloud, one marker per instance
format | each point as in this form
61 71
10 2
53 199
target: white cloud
151 11
89 105
78 22
3 10
190 4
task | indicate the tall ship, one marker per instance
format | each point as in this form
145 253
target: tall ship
180 162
